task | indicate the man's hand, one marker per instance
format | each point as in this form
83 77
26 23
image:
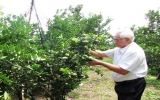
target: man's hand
93 62
98 53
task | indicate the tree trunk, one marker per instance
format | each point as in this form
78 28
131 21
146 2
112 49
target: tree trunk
158 77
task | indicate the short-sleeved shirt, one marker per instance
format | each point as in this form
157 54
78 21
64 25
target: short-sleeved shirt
131 58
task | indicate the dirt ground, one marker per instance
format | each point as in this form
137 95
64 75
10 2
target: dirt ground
96 88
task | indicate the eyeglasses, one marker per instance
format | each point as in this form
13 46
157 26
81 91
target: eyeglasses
116 40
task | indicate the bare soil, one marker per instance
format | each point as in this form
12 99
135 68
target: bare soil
96 87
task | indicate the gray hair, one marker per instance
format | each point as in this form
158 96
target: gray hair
126 33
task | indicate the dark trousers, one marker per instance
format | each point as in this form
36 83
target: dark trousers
130 90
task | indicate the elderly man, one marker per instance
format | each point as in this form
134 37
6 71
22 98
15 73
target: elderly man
129 65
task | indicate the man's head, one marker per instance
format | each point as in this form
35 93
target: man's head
123 38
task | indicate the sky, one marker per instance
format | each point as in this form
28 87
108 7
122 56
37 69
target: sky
124 13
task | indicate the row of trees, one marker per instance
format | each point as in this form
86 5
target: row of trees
149 38
55 60
52 61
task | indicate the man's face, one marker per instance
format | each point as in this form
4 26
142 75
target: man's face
119 42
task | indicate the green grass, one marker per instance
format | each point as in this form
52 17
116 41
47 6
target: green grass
102 88
152 91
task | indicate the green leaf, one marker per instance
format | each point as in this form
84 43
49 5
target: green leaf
35 66
2 57
6 95
75 39
65 70
29 67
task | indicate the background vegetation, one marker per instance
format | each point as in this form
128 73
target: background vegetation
54 61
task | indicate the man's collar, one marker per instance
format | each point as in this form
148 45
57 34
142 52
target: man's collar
123 50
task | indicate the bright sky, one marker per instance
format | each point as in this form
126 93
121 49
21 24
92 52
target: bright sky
124 12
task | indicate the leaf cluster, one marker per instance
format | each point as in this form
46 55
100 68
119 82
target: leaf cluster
149 37
53 61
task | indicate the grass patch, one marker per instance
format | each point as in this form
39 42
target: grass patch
152 91
96 87
102 88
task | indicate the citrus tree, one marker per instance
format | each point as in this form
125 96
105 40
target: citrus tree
149 38
69 37
19 57
53 61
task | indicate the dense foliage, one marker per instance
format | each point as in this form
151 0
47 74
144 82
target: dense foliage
70 35
149 38
19 58
53 61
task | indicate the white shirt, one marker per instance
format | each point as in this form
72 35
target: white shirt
131 58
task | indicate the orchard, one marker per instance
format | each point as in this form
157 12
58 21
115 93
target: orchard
55 60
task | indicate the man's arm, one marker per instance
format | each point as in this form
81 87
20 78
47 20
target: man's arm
110 66
98 53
